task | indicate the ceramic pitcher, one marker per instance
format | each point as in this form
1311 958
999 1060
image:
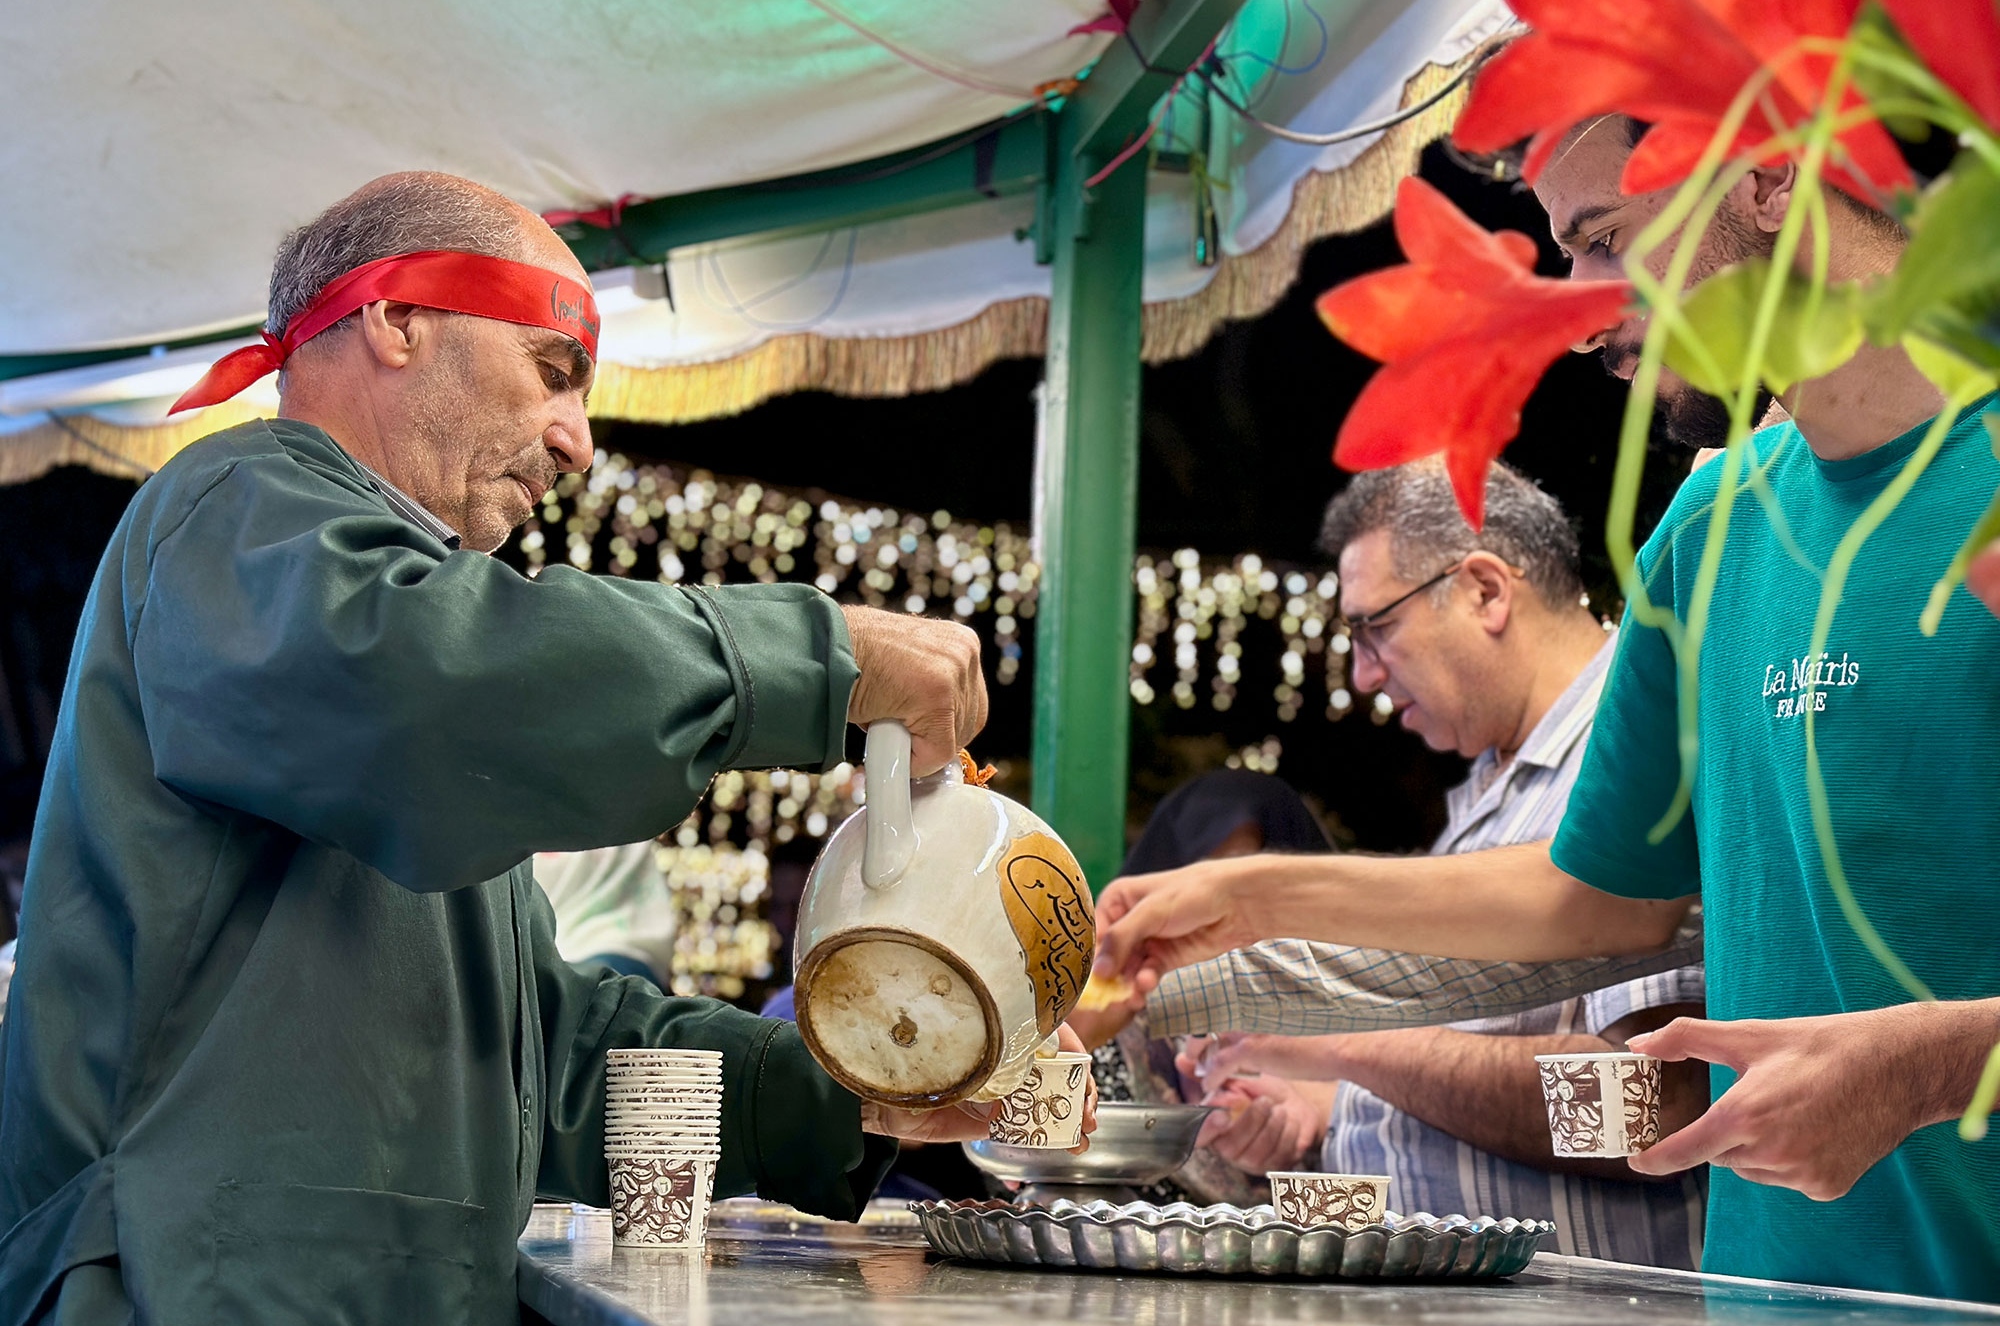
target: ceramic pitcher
945 933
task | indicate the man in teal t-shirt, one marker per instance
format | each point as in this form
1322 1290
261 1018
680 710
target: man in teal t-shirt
1832 1083
1908 732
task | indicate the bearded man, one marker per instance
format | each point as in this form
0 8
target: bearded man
290 1037
1832 1087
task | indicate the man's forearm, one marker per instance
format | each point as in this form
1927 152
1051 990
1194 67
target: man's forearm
1965 1035
1507 904
1483 1090
1296 988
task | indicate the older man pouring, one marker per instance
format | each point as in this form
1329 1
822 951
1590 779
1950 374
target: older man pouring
290 1036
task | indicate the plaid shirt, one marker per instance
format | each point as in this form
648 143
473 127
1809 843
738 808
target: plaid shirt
1295 987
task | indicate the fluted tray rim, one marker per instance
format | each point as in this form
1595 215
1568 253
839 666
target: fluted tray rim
1481 1247
1263 1216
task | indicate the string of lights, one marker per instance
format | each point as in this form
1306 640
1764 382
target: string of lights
669 523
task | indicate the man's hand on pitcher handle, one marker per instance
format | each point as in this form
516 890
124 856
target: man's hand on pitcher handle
922 672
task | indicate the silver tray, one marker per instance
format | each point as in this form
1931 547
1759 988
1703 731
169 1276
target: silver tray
1225 1240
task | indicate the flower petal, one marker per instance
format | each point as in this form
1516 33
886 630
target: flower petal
1465 331
1960 41
1392 314
1464 395
1435 234
1597 58
1586 58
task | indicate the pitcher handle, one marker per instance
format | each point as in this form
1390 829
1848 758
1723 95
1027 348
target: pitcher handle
892 833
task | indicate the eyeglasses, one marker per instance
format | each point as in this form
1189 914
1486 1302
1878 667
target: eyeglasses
1358 628
1361 630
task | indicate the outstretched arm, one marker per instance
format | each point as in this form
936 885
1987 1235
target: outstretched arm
1295 987
1508 904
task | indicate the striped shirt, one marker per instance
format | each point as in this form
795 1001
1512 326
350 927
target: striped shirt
1347 989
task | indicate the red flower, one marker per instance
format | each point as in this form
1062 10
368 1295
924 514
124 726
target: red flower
1960 41
1465 329
1677 64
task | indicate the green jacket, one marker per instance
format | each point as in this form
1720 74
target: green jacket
290 1038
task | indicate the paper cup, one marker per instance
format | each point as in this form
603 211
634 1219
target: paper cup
1046 1110
626 1131
660 1077
661 1137
661 1146
1342 1201
695 1107
661 1201
1601 1104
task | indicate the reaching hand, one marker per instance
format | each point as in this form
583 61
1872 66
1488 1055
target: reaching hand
1265 1124
1306 1058
1095 1026
1817 1101
1148 925
923 673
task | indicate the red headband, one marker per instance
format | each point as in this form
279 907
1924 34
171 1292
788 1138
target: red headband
442 279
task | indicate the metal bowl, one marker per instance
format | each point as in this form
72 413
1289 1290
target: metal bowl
1132 1144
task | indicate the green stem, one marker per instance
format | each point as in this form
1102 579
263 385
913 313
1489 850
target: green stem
1760 486
1837 568
1984 532
1935 102
1972 1124
1709 568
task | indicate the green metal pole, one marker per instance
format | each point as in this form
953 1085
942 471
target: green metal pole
1087 508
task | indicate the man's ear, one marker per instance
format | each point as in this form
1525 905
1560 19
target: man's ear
1493 584
392 332
1769 194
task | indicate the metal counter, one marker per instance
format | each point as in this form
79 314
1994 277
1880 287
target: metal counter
769 1271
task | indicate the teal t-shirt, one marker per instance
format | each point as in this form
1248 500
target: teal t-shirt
1908 729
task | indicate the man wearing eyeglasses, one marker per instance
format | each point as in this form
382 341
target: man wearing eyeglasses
1486 647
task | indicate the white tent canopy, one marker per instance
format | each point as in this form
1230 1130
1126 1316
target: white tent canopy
175 144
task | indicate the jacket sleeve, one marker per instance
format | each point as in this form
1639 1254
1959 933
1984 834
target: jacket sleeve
310 659
790 1133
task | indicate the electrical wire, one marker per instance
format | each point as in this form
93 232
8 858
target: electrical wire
1131 149
923 158
742 309
1325 44
1492 48
1359 130
145 471
784 286
944 71
1165 106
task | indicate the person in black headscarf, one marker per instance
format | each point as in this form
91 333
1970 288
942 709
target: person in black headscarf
1229 812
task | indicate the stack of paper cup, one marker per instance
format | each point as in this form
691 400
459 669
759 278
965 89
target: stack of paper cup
662 1138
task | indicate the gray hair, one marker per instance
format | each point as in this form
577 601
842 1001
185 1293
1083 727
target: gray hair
1525 527
408 213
